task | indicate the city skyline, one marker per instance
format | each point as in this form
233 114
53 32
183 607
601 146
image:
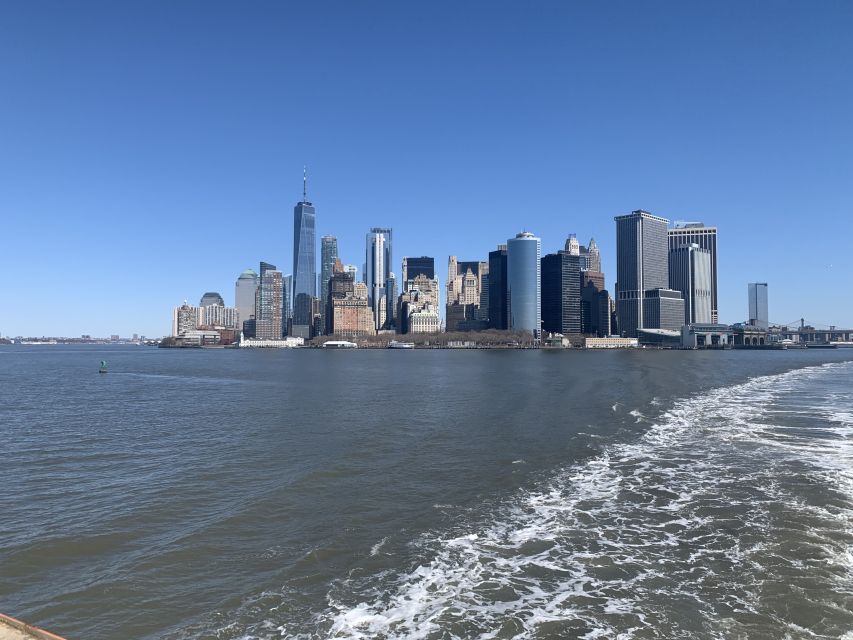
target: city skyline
182 164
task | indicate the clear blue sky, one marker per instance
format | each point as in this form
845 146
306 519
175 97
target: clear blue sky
150 151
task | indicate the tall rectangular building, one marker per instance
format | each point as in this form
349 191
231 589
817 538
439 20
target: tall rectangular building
304 246
690 273
706 238
328 256
498 312
377 269
759 315
595 304
244 295
641 266
561 300
286 302
268 306
524 283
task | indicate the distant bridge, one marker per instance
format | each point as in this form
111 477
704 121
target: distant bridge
804 331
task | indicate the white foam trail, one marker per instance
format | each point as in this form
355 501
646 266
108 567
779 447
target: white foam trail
684 532
374 550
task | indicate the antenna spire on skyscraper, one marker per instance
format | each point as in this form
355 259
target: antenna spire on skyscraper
304 183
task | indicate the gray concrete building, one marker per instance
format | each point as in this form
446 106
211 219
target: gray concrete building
690 273
244 294
268 304
641 267
706 238
663 309
759 315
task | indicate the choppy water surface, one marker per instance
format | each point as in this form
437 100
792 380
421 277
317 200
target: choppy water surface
427 494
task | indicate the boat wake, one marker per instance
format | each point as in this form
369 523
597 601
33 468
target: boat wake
731 517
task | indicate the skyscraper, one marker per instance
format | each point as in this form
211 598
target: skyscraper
286 303
595 304
304 246
413 267
572 246
524 284
498 309
759 315
328 255
690 273
268 304
340 285
464 280
418 309
706 238
244 295
464 287
561 299
641 266
377 269
350 315
391 301
594 256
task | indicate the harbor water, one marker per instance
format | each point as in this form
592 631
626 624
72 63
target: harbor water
260 494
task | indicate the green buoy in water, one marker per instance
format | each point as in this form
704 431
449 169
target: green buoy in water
103 367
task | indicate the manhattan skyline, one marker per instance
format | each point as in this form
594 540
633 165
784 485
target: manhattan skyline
150 165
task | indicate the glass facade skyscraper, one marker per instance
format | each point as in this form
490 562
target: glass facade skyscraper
304 249
286 302
377 268
561 293
244 294
759 315
498 314
328 255
524 284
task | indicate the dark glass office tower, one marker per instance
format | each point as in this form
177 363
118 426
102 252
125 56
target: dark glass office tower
328 255
413 267
286 303
595 304
304 247
498 307
642 265
561 296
